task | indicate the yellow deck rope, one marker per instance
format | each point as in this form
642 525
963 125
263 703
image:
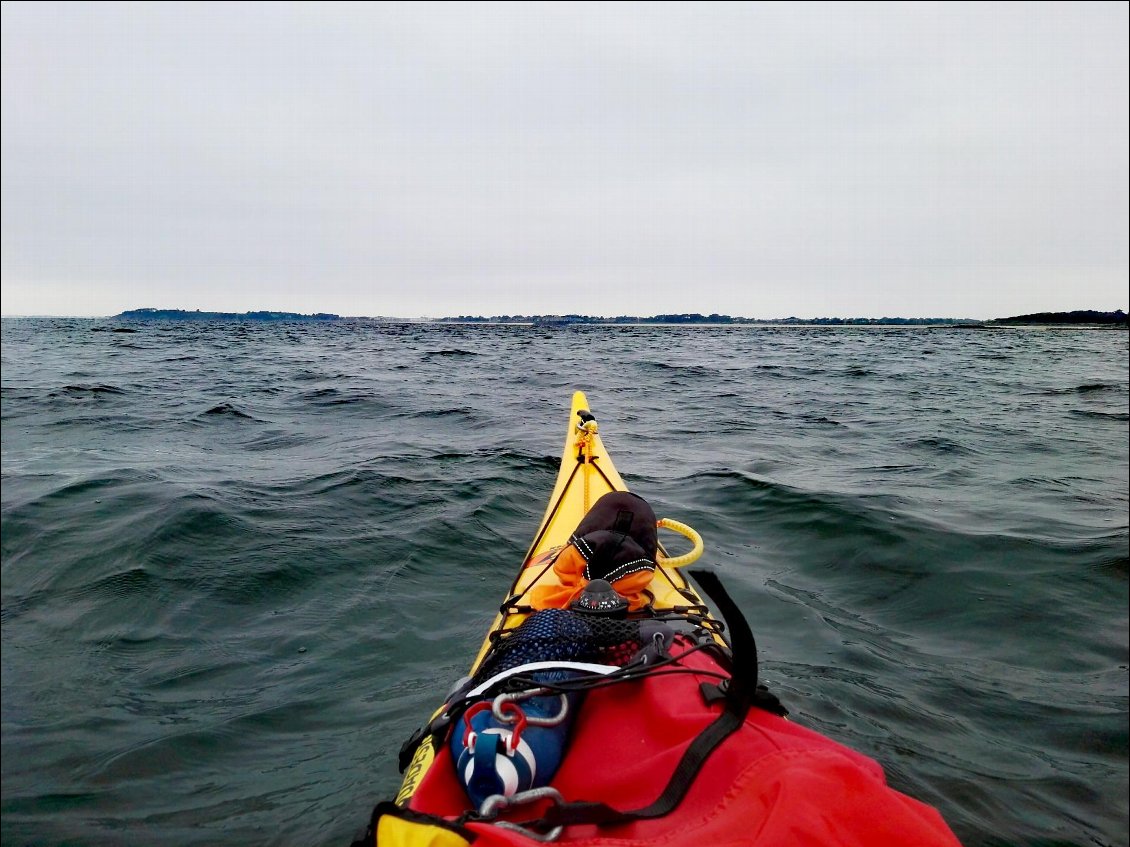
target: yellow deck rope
688 533
584 443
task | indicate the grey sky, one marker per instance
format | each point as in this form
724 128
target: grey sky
753 159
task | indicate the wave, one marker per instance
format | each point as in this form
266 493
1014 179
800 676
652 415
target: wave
78 490
328 397
1110 416
83 391
279 440
226 410
452 412
676 369
794 506
821 419
513 459
133 580
260 582
1086 388
941 444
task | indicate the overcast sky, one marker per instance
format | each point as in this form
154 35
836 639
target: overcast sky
763 160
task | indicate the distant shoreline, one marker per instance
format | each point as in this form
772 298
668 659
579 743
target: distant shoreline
685 319
1081 319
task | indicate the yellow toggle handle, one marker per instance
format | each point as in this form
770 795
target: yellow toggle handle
686 532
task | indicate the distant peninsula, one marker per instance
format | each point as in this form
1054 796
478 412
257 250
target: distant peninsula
197 315
1081 317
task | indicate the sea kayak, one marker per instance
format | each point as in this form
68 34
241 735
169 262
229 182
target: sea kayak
610 704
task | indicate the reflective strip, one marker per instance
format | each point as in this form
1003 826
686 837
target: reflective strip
586 667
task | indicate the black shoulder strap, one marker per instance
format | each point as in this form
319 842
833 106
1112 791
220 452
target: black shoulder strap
742 642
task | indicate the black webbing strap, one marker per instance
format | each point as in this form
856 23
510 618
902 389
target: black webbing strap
745 671
739 693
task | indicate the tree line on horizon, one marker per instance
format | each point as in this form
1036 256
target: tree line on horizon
1079 316
697 318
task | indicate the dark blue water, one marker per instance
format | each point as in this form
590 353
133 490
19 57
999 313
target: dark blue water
242 562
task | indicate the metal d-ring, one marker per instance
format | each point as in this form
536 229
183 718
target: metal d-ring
502 699
496 803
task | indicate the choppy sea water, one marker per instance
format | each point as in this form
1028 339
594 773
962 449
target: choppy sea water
241 562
